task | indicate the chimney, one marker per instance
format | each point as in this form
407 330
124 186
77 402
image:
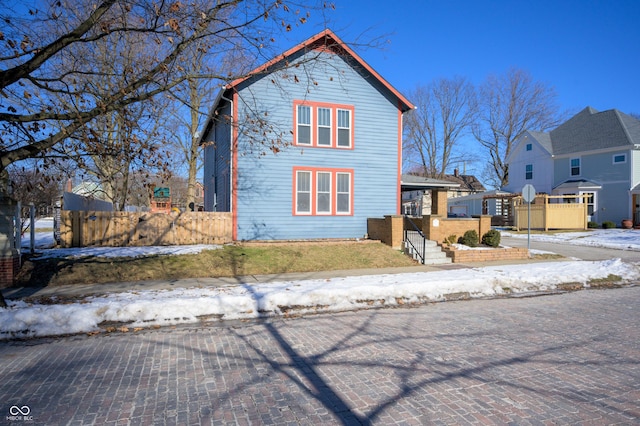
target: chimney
455 172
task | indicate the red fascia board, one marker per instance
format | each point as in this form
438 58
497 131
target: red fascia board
339 44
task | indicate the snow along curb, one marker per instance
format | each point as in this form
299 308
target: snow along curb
145 309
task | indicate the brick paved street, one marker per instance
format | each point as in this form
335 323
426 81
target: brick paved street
563 359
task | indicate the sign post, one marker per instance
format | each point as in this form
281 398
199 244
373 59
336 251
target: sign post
529 194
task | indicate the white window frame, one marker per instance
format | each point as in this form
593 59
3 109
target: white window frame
571 167
309 192
324 126
339 127
624 159
315 176
528 173
593 203
329 194
332 115
309 126
338 193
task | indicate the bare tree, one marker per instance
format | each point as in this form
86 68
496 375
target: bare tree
49 82
511 104
49 92
445 111
114 145
34 186
193 98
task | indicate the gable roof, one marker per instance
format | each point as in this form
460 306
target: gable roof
590 130
467 182
578 185
544 139
326 40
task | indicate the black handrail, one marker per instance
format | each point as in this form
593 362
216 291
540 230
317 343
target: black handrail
421 254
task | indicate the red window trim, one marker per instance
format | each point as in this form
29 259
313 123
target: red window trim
314 126
314 191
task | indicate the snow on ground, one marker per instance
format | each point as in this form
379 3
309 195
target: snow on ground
150 308
623 239
44 242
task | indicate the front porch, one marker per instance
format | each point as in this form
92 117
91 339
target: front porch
415 234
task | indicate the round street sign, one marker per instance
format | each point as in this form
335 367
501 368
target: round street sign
528 193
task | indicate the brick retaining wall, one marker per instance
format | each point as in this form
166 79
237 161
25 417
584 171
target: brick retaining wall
464 256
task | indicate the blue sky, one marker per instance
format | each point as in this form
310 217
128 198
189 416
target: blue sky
589 51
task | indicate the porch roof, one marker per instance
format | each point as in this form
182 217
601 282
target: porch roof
578 185
419 183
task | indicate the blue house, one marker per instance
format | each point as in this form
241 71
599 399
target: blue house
306 146
594 153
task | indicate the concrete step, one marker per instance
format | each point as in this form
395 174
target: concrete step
433 253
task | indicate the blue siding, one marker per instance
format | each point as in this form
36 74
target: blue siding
596 167
265 179
614 203
614 199
217 166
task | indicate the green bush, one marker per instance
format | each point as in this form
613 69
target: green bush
608 225
592 225
491 238
470 238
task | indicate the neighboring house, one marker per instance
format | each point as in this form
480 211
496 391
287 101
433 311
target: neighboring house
487 202
89 189
469 184
593 153
417 202
161 200
199 197
417 190
306 152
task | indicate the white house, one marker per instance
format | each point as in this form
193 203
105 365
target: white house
593 153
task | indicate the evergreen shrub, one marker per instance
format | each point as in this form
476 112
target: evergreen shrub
491 238
470 238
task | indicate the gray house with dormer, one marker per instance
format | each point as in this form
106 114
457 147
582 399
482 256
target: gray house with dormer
593 153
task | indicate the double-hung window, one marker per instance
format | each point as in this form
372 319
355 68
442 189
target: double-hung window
322 192
343 193
575 167
323 125
303 125
344 128
303 192
528 172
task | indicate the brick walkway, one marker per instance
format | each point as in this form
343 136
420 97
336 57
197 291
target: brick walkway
563 359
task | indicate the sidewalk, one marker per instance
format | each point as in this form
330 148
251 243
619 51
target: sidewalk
80 290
